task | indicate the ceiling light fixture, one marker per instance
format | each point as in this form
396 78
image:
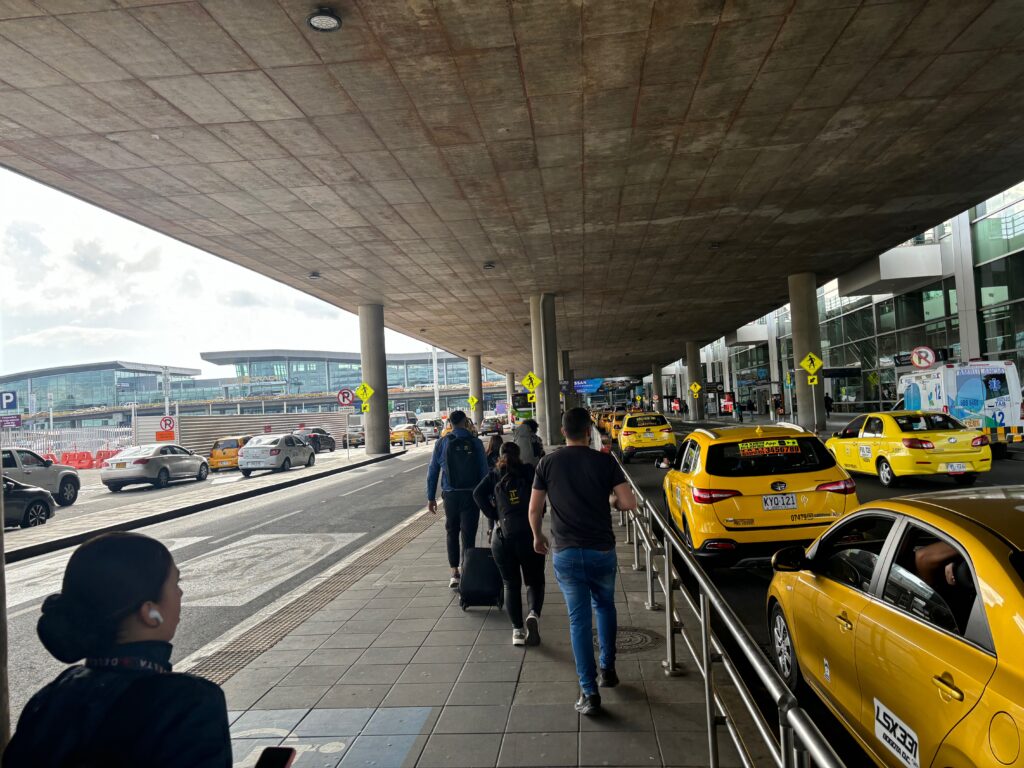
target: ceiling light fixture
324 19
488 265
314 275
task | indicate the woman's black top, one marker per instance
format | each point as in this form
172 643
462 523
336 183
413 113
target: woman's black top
126 709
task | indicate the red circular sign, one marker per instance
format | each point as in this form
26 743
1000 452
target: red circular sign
922 357
346 397
167 423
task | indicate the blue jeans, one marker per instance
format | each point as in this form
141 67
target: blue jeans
587 578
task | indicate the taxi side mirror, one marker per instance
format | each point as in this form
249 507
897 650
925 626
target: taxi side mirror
47 462
836 434
790 559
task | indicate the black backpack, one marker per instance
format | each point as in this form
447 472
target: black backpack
512 498
461 461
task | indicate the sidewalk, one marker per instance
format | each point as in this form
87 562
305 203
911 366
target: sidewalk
390 672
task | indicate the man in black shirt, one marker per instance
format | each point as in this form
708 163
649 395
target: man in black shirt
578 482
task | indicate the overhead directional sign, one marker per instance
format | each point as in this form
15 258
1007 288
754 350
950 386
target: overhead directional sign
812 380
346 397
811 363
364 391
695 388
472 402
531 381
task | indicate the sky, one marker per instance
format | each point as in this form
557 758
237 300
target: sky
80 285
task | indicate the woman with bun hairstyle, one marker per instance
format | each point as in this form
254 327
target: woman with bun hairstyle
118 610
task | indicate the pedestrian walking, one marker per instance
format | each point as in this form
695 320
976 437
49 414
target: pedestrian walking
493 449
530 446
118 609
504 497
828 405
578 482
460 462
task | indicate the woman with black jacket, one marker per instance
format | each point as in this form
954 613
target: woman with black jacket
118 610
504 496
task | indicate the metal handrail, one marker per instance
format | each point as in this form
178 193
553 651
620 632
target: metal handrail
799 741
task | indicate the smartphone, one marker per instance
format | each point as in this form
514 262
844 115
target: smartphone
276 757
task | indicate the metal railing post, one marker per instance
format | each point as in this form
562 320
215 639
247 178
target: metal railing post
787 741
709 686
669 663
651 604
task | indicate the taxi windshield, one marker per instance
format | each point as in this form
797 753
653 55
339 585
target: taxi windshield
927 422
646 421
224 445
768 456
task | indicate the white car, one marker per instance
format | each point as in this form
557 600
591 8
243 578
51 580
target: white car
154 464
30 468
275 452
431 428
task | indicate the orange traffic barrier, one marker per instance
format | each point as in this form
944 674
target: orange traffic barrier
67 457
52 457
102 456
83 460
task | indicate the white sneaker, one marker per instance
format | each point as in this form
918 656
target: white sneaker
518 637
453 583
533 629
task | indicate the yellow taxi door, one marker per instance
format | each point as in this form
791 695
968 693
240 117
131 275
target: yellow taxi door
921 659
869 444
680 485
828 601
846 445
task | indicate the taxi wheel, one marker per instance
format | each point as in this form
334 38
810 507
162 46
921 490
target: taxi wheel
965 480
627 456
783 652
885 474
203 473
246 472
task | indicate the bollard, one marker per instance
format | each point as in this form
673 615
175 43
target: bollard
669 663
709 688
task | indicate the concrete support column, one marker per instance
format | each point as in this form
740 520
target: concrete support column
566 374
693 374
657 388
476 389
552 428
375 373
963 279
510 389
536 340
803 305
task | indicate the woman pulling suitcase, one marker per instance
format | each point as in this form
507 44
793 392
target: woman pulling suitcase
504 496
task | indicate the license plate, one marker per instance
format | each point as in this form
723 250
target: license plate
956 468
648 435
778 501
119 466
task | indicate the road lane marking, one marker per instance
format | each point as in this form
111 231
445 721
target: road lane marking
256 527
357 490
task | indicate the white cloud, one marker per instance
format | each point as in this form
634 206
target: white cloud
72 336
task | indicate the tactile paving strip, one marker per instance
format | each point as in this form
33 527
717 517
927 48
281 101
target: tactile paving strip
220 665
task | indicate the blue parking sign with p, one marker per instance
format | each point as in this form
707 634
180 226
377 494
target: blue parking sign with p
8 401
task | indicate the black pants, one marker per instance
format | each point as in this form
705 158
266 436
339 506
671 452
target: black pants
461 516
517 562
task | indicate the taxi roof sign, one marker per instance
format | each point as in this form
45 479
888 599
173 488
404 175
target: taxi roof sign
812 363
531 381
364 391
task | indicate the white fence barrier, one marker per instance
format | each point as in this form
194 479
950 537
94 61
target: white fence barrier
57 441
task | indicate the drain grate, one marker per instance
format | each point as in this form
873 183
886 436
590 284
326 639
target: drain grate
220 665
632 639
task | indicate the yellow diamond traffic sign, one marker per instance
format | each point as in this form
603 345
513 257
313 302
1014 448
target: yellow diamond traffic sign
811 363
812 380
364 391
531 398
472 402
531 381
695 388
365 406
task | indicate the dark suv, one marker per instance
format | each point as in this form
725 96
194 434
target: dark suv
318 437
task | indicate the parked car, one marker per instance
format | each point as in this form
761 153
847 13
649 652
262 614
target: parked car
278 453
354 436
406 434
646 433
26 505
154 464
431 428
28 467
224 454
318 437
490 426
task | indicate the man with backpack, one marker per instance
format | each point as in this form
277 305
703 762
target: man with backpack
578 482
460 462
504 497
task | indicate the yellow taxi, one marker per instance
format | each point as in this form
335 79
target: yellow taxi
906 619
737 493
598 417
224 454
448 427
407 434
615 424
645 433
902 443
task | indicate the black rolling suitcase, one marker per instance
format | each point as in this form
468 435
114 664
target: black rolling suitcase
481 582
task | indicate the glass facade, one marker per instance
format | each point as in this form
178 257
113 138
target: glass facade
997 237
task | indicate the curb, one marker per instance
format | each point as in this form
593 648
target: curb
70 541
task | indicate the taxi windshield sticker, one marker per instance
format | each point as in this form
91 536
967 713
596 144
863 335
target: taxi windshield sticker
769 447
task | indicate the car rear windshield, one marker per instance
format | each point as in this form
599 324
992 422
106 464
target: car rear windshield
926 422
265 440
646 421
141 450
768 456
224 445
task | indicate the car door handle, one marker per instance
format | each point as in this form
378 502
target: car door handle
947 688
844 622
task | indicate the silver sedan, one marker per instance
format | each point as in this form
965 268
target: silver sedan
276 453
155 464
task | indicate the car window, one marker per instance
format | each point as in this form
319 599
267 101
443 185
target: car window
924 422
319 431
181 451
853 428
768 456
873 428
166 451
225 445
29 459
264 440
8 460
932 580
289 442
849 553
689 459
646 421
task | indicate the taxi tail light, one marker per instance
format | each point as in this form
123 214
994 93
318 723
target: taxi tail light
627 432
845 487
710 495
718 545
916 442
980 441
275 451
141 461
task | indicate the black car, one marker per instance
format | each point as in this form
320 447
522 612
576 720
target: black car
26 505
490 426
318 437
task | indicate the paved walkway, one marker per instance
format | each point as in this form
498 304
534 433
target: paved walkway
393 673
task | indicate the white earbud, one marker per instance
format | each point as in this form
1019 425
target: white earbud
156 616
